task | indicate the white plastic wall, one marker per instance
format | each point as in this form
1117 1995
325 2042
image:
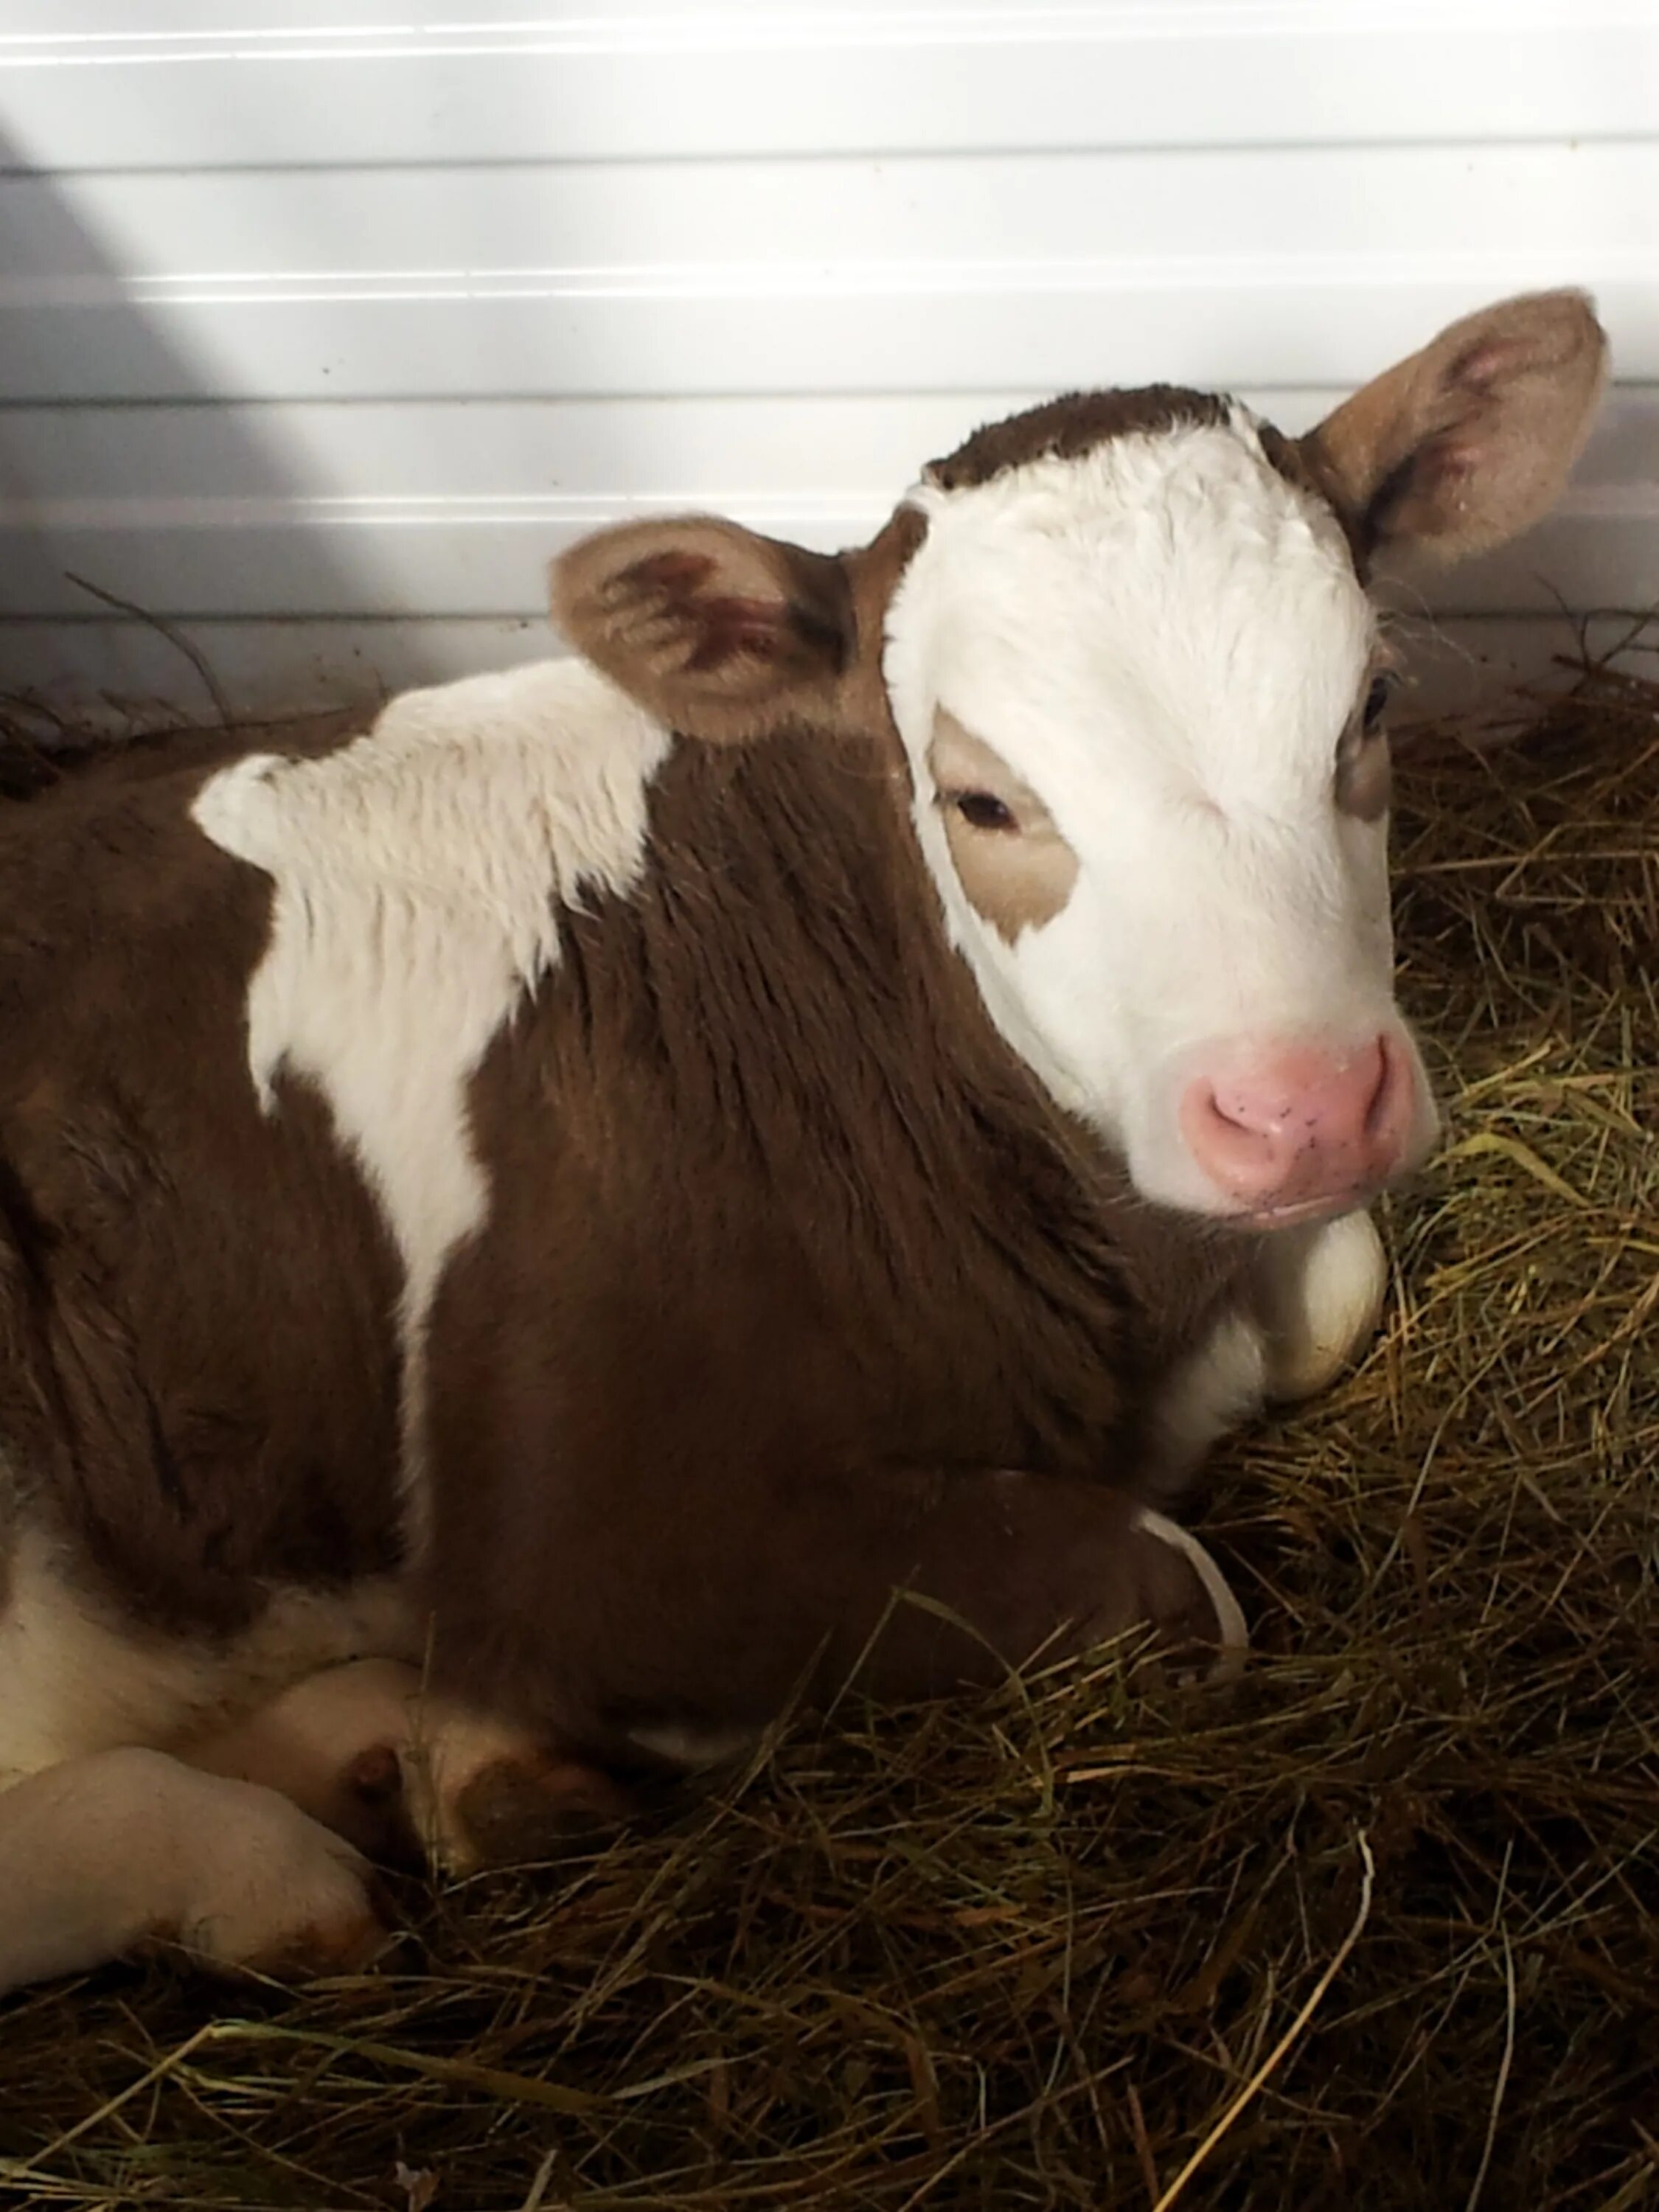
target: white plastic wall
322 325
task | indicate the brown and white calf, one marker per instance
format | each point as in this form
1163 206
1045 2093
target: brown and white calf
570 1200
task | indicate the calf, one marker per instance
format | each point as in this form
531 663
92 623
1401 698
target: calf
572 1209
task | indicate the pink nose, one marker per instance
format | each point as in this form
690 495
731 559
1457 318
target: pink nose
1297 1126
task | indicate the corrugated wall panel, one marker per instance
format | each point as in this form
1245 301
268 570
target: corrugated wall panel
855 80
487 493
127 86
325 329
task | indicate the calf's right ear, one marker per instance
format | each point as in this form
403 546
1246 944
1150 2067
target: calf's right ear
721 632
1469 442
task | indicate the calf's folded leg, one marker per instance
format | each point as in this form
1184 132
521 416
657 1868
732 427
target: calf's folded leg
120 1849
331 1744
369 1750
1018 1566
1011 1566
679 1631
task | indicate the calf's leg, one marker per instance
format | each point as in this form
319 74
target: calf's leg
102 1854
1315 1296
369 1751
330 1745
1008 1566
678 1618
1011 1567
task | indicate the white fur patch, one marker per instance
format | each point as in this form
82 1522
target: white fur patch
1163 638
103 1853
1213 1391
419 873
73 1680
1327 1292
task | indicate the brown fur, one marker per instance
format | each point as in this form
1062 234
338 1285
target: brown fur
1064 428
196 1363
809 1256
789 1256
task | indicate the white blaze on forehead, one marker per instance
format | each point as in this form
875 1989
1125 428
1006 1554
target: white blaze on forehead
1168 596
418 876
1163 637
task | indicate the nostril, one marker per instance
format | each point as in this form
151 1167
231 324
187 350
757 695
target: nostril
1230 1120
1239 1144
1263 1117
1380 1105
1211 1109
1300 1122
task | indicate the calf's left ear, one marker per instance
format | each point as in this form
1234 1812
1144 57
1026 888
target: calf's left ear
1467 443
722 634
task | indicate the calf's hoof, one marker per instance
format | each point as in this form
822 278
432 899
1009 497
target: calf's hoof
480 1794
403 1773
330 1744
285 1897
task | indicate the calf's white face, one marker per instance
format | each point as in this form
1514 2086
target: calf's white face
1133 685
1126 645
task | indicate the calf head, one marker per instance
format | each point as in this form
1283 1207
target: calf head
1125 642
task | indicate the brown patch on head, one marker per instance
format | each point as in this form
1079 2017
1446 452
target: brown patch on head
1013 863
1062 429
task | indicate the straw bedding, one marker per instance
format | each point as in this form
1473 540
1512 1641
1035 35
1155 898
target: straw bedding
1377 1927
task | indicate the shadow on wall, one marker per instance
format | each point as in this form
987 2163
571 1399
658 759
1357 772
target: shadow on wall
367 514
128 475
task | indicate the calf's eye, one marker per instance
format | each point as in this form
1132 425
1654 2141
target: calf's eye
983 810
1376 700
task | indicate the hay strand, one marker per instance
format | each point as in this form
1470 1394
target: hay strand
1292 2034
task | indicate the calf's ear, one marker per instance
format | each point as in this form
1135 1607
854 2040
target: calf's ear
721 633
1469 442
